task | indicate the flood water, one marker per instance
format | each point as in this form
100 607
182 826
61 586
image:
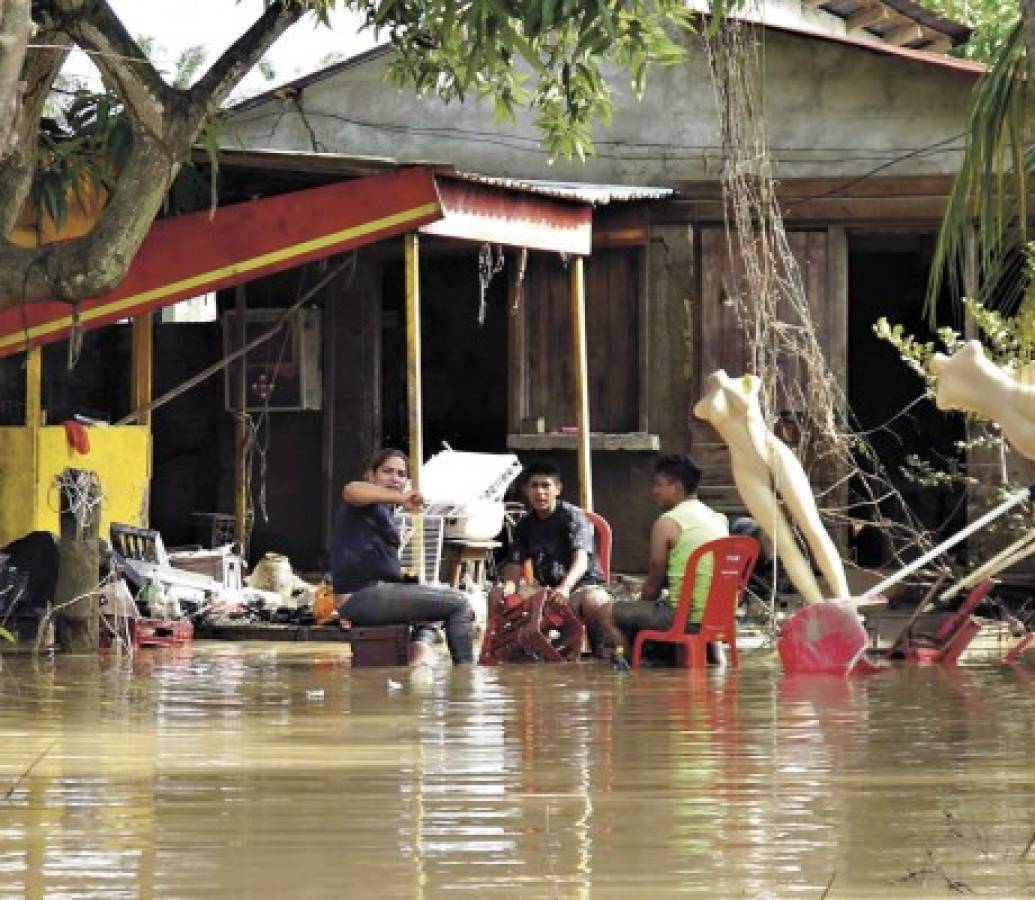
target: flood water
265 770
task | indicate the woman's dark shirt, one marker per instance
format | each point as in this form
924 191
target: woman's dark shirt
364 547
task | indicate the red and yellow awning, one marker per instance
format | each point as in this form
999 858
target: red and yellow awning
189 255
193 254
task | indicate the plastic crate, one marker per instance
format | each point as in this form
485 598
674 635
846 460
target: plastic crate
163 632
146 632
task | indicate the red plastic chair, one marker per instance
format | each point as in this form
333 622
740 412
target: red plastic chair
734 559
603 532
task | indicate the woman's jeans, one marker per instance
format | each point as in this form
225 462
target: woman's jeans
396 603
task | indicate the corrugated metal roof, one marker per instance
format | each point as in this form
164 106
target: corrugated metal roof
343 165
968 66
596 194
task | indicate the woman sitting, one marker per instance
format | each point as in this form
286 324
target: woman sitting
365 564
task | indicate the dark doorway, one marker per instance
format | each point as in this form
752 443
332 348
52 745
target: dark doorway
464 363
887 276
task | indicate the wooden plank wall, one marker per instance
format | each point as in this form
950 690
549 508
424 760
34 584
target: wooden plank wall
544 329
722 339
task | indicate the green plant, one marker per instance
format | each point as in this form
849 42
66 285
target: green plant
89 142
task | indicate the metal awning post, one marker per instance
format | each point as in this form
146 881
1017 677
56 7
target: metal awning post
578 327
411 244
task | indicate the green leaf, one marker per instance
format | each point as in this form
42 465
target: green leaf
7 636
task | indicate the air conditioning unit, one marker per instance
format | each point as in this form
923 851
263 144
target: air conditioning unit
283 374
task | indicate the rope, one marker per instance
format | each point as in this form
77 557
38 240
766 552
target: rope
208 372
80 493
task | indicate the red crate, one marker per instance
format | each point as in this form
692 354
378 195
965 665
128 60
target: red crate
150 632
162 632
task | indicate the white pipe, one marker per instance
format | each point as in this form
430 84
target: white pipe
1013 500
1003 560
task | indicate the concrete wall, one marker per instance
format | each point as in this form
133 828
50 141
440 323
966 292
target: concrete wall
833 109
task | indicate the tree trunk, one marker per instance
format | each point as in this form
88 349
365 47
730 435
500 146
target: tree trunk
15 30
77 626
165 122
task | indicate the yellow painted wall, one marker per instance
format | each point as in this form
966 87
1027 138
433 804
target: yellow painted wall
120 456
17 482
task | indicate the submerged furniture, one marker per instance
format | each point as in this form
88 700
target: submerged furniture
536 629
530 629
733 561
954 633
387 645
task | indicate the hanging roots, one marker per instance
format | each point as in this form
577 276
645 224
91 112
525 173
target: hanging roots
802 398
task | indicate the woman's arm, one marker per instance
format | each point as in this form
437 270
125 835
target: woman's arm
363 493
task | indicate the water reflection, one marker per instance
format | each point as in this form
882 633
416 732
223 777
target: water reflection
278 771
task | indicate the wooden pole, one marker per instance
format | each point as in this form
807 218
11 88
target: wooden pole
143 365
411 243
578 327
34 387
240 389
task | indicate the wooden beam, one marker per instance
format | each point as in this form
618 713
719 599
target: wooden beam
411 243
908 33
875 14
143 365
517 381
240 389
34 387
578 323
643 288
414 398
936 41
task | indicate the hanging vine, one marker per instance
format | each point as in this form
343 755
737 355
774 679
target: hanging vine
802 399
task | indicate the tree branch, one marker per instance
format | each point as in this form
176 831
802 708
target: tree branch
42 65
226 72
15 30
98 261
96 28
165 122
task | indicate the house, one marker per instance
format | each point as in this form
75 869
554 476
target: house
864 134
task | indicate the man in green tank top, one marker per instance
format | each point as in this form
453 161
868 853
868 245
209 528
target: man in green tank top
685 525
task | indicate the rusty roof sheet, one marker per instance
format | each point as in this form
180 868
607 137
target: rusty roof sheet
583 192
875 45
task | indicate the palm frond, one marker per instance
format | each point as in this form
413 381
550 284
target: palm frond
989 192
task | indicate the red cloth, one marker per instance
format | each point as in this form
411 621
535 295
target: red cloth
77 436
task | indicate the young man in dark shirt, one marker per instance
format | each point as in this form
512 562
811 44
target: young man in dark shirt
558 539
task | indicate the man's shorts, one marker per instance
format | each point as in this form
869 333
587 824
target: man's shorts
632 616
578 595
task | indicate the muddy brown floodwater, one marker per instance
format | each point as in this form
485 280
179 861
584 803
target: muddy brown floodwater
262 770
